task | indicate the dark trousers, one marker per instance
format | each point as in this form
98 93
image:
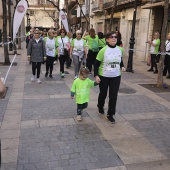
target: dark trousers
166 65
80 107
154 60
49 64
91 59
36 66
68 62
62 60
113 85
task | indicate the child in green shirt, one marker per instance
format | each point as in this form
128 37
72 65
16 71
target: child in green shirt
81 89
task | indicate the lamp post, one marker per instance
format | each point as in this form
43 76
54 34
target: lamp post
27 14
132 41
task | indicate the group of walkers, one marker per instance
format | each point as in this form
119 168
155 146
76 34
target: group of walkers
99 52
155 54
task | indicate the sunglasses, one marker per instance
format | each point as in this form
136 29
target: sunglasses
78 34
113 37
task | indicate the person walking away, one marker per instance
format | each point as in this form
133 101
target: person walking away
36 54
167 58
155 43
102 42
107 71
93 46
81 89
77 52
62 44
50 45
29 37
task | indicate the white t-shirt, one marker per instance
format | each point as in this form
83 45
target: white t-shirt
63 44
50 47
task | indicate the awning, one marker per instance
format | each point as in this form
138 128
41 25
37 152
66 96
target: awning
153 5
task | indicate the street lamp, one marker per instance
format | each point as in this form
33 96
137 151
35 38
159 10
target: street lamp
28 20
132 41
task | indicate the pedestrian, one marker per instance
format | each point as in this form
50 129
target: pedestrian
81 89
78 51
36 54
0 38
119 39
93 48
55 36
68 60
50 45
102 42
63 42
107 71
167 58
155 43
29 37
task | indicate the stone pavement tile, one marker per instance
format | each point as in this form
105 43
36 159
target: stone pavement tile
165 96
138 104
119 130
36 96
30 124
158 165
113 168
157 132
9 155
56 122
45 89
9 134
9 166
10 125
48 109
76 146
150 115
136 75
60 96
3 106
9 143
136 150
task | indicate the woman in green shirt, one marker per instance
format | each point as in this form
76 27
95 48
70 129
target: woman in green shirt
93 46
102 42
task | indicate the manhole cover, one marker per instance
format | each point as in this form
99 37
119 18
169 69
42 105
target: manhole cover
127 90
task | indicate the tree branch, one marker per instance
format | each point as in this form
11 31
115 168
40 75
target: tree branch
55 5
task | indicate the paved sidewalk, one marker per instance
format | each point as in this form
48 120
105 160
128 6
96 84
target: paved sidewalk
39 130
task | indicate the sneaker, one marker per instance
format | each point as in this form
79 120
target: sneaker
101 111
62 75
46 74
55 62
33 78
51 76
110 119
75 77
79 118
38 81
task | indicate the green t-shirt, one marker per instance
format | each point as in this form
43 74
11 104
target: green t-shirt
110 59
155 50
93 43
81 88
102 42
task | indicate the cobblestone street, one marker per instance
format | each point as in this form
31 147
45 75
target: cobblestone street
39 130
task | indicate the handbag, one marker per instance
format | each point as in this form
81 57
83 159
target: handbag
65 50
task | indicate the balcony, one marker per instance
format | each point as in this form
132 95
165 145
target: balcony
97 7
108 4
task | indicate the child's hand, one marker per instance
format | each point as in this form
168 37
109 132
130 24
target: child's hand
97 79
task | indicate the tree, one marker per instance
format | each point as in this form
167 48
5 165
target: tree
163 50
6 54
111 16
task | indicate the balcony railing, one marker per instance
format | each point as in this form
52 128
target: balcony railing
108 4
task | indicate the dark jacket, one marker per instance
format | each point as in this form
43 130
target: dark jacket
36 50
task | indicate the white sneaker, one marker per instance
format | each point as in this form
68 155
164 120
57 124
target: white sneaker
33 78
79 118
75 77
55 62
38 81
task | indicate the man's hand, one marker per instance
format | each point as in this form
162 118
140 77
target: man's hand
45 58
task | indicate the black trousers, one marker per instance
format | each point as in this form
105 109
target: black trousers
49 64
113 85
68 62
80 107
166 65
91 57
62 60
154 60
36 66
